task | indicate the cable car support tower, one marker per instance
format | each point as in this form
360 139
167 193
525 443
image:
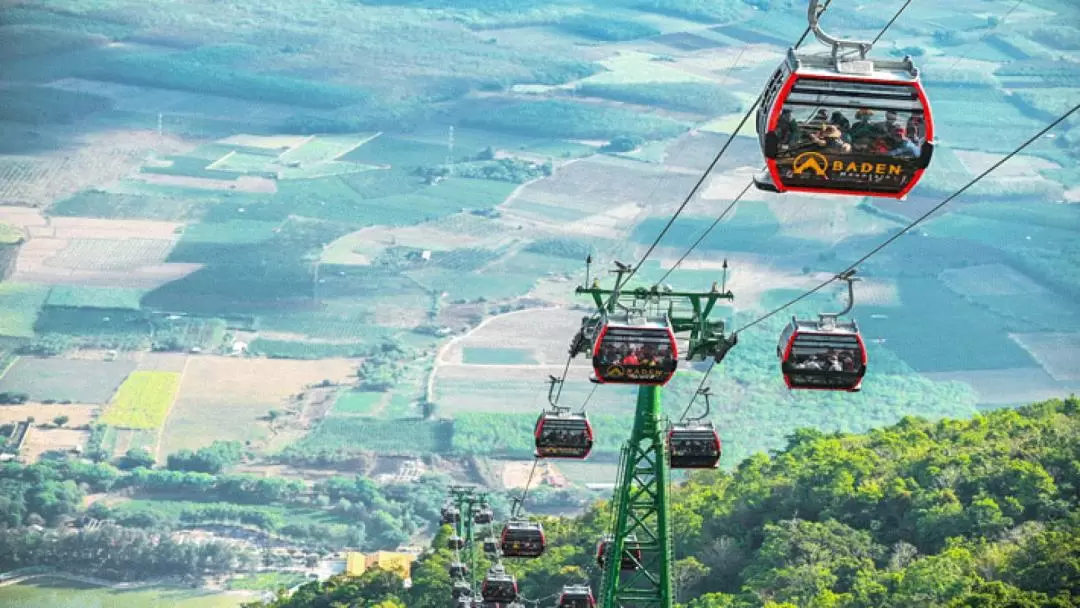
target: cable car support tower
640 504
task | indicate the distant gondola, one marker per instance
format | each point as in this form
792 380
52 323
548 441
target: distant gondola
635 353
823 355
694 445
576 596
522 538
499 586
563 435
631 552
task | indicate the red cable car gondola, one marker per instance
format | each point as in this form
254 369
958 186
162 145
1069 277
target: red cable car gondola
631 552
821 355
461 589
635 353
694 445
522 538
830 124
825 354
563 435
499 586
455 543
576 596
449 515
483 514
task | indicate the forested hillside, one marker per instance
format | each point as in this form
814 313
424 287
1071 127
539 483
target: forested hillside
980 512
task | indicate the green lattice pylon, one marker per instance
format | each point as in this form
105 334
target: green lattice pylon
642 510
466 498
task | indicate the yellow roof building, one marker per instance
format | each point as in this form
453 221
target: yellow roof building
357 563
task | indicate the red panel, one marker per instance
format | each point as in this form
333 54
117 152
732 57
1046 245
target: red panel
774 117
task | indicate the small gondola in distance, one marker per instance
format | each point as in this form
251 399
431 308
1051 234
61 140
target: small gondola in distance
499 586
522 538
865 129
816 356
631 552
635 353
563 435
693 445
576 596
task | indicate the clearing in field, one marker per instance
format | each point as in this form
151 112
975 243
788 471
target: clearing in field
78 381
96 252
225 398
473 355
89 160
79 414
989 280
243 183
1058 353
1008 386
546 331
362 246
143 400
39 441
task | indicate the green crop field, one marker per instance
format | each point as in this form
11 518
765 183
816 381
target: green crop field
358 403
62 593
285 349
19 306
143 400
78 381
497 356
353 434
95 297
10 235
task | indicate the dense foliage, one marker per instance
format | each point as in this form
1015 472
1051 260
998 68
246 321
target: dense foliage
983 512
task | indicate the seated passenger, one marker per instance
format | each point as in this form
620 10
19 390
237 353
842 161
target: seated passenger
891 122
899 145
841 122
831 140
787 129
916 129
863 132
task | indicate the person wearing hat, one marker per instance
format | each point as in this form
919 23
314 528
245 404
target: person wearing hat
863 132
900 145
831 139
840 121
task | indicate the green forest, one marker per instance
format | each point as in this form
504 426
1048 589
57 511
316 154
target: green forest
955 513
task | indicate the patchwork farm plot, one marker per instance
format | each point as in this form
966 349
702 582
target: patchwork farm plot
225 398
77 381
143 400
1058 353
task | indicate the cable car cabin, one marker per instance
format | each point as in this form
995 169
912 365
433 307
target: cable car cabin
483 515
693 446
820 355
455 543
643 353
631 552
499 586
458 570
464 602
863 130
576 596
563 436
450 515
522 539
461 590
491 546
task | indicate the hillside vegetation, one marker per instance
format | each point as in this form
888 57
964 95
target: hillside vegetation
980 512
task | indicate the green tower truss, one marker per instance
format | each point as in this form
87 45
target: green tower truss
466 499
642 517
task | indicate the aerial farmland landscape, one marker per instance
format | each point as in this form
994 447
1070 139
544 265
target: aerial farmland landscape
277 274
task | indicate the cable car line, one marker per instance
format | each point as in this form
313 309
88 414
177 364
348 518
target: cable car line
891 21
704 234
712 165
916 222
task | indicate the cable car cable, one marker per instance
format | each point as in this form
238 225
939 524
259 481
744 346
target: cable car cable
701 238
917 221
708 170
889 24
988 32
731 205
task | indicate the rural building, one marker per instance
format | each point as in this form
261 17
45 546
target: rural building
357 563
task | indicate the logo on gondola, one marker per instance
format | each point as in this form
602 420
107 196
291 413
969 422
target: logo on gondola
812 161
615 372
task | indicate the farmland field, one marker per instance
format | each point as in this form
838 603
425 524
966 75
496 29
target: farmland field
143 400
989 280
358 403
1059 354
497 356
19 306
223 398
78 381
79 414
64 593
94 297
